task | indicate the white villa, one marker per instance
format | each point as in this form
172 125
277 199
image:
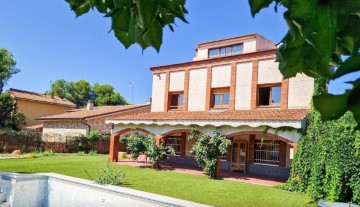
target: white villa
233 84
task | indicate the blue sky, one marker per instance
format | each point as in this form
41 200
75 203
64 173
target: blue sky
49 43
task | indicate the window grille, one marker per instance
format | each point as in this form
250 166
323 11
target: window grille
267 152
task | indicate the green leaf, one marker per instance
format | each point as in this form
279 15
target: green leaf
331 106
257 5
354 102
351 64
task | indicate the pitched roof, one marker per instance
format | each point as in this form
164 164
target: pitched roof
37 97
83 113
266 114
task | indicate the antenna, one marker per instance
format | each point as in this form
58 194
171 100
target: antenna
132 85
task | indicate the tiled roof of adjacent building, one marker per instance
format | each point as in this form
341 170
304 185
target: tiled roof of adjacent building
37 97
83 113
266 114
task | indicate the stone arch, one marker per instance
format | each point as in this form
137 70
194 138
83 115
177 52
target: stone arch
115 144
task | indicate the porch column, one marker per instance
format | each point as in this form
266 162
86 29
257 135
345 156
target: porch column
218 166
183 144
114 148
282 154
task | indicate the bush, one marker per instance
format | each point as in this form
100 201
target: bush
108 175
96 135
140 144
327 161
92 152
208 149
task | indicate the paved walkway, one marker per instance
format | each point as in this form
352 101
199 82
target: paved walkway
226 175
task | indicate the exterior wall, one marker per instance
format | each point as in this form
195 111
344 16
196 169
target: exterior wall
243 86
221 76
197 90
32 110
58 131
158 93
264 44
268 72
300 91
177 80
202 54
249 46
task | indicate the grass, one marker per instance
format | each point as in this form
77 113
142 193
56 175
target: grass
189 187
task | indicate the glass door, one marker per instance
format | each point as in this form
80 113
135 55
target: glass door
238 156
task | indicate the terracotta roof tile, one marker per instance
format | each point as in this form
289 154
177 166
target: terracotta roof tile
266 114
83 113
31 96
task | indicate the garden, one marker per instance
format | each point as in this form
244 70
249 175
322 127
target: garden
183 186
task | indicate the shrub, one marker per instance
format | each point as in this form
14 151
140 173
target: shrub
208 149
327 161
140 144
96 135
81 153
108 175
92 152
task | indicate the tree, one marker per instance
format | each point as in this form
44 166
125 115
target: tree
105 95
140 21
59 88
323 34
9 116
81 91
208 149
141 144
7 67
78 92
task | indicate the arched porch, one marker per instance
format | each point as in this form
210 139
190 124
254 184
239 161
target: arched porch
115 143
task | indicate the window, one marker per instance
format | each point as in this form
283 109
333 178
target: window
176 101
174 142
269 96
267 152
225 51
220 98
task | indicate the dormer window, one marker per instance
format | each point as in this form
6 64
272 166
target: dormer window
225 51
176 101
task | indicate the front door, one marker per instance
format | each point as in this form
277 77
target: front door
238 156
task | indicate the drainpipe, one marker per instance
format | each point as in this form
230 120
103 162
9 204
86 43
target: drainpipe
82 121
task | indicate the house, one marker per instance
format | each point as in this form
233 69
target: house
233 84
34 105
60 127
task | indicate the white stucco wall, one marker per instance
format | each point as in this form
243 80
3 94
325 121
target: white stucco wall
301 90
158 93
197 89
269 72
243 86
177 81
249 46
202 54
221 76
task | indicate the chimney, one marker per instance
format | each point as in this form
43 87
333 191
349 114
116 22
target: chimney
90 105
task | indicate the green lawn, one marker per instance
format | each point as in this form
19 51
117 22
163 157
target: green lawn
189 187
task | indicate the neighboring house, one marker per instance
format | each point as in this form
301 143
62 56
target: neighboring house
81 121
234 84
34 105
